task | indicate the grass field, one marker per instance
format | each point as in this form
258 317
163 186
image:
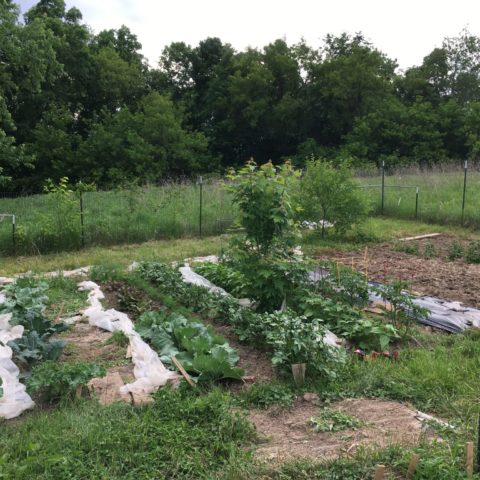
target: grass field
440 196
43 224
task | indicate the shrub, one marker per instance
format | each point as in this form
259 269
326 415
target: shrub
472 255
328 192
455 250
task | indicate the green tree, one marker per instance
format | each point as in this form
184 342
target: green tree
328 192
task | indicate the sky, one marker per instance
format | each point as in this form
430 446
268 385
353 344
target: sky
405 30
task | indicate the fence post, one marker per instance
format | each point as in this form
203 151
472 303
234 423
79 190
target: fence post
416 203
465 168
200 183
14 240
383 185
81 220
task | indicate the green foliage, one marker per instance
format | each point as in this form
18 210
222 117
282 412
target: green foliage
293 339
264 395
334 421
58 380
272 278
406 247
266 209
472 252
400 309
25 300
118 338
328 192
429 250
196 346
455 250
224 276
348 322
182 435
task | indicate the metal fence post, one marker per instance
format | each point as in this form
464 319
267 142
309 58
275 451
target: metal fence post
383 185
416 203
14 240
465 168
81 220
200 183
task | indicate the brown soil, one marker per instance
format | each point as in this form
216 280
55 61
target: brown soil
439 277
87 344
288 433
128 299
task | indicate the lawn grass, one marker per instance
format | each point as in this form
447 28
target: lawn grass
374 230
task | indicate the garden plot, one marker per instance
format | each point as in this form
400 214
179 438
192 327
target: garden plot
430 275
362 423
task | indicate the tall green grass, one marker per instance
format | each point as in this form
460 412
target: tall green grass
173 211
440 195
115 217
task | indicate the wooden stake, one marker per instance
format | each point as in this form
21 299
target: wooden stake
183 372
469 459
379 472
412 466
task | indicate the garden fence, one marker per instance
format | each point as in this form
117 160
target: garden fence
33 224
50 223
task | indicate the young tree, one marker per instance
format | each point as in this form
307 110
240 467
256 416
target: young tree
329 193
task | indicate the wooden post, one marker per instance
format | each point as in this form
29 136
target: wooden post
412 466
379 472
183 371
469 459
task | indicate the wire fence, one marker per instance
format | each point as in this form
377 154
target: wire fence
52 223
38 224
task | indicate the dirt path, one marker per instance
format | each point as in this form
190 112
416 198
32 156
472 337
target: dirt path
287 434
439 277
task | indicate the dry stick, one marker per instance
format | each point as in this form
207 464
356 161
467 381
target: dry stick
412 466
182 371
379 472
57 318
469 459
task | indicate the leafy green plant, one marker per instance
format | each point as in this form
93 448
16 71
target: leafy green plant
335 421
25 300
348 322
328 192
118 338
264 395
429 250
455 250
57 380
196 346
224 276
406 247
400 309
33 347
295 339
265 208
472 253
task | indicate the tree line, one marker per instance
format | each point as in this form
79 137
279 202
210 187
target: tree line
89 106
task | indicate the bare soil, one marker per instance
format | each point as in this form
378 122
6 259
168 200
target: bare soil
288 434
437 276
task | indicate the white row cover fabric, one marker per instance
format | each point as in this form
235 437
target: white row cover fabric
78 272
149 371
15 400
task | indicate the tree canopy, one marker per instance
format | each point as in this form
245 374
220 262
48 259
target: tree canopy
88 106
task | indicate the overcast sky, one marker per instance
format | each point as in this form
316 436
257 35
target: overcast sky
406 30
